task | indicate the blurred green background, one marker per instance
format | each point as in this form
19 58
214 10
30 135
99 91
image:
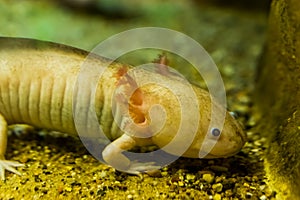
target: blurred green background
232 32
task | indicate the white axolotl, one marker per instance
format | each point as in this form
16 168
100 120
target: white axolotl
37 85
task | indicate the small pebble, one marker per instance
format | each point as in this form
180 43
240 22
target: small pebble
263 197
255 150
246 185
217 197
154 183
257 143
103 174
181 184
190 176
218 187
209 178
68 189
249 195
219 179
228 193
164 173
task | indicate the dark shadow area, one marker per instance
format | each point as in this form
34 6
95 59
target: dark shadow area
252 5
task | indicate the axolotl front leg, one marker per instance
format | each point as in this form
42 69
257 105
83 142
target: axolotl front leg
113 155
137 132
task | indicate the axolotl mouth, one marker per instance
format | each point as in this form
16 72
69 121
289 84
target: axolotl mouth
221 149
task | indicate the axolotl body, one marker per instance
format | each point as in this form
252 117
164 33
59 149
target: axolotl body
38 84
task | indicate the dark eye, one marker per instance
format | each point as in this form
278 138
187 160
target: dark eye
215 132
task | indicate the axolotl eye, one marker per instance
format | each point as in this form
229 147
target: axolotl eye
215 132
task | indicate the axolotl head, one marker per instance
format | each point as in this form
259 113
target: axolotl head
178 118
230 141
211 137
224 135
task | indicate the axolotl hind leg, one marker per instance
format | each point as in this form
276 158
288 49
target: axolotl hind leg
6 164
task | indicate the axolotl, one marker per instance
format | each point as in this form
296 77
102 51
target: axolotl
37 85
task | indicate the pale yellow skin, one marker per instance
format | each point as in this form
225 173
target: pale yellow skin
37 86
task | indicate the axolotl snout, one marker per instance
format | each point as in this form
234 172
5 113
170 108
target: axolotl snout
134 107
